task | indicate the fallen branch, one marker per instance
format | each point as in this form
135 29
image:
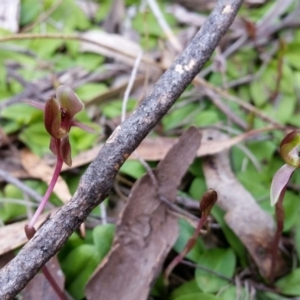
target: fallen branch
98 179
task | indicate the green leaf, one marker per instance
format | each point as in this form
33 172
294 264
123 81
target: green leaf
77 286
85 260
36 138
28 12
103 11
196 168
292 55
21 113
133 168
198 296
185 232
76 261
71 15
264 87
219 260
176 117
189 287
89 61
82 261
45 47
297 237
231 238
74 241
259 92
257 187
82 140
291 206
269 296
114 109
286 109
9 210
197 188
103 236
233 292
90 90
147 22
289 285
236 66
159 287
263 151
206 118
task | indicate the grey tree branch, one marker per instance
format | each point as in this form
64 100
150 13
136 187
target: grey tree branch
98 179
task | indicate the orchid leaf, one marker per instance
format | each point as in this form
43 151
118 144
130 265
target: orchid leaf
222 261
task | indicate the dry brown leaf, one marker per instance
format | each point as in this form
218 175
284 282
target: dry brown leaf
14 235
254 227
39 287
10 162
146 231
37 168
114 46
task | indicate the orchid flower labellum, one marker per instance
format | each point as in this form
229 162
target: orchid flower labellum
289 151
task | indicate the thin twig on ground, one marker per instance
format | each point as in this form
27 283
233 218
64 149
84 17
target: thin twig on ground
23 187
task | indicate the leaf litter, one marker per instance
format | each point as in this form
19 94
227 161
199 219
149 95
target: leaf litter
253 226
146 230
255 29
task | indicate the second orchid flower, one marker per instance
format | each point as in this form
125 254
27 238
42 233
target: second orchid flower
289 151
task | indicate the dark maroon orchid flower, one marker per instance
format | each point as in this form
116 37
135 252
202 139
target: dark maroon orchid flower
59 115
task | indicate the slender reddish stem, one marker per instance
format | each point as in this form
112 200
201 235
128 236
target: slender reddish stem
30 231
60 293
42 205
190 244
279 211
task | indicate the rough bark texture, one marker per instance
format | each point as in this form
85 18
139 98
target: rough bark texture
97 181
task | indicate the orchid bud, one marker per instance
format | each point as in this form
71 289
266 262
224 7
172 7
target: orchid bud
289 149
207 202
